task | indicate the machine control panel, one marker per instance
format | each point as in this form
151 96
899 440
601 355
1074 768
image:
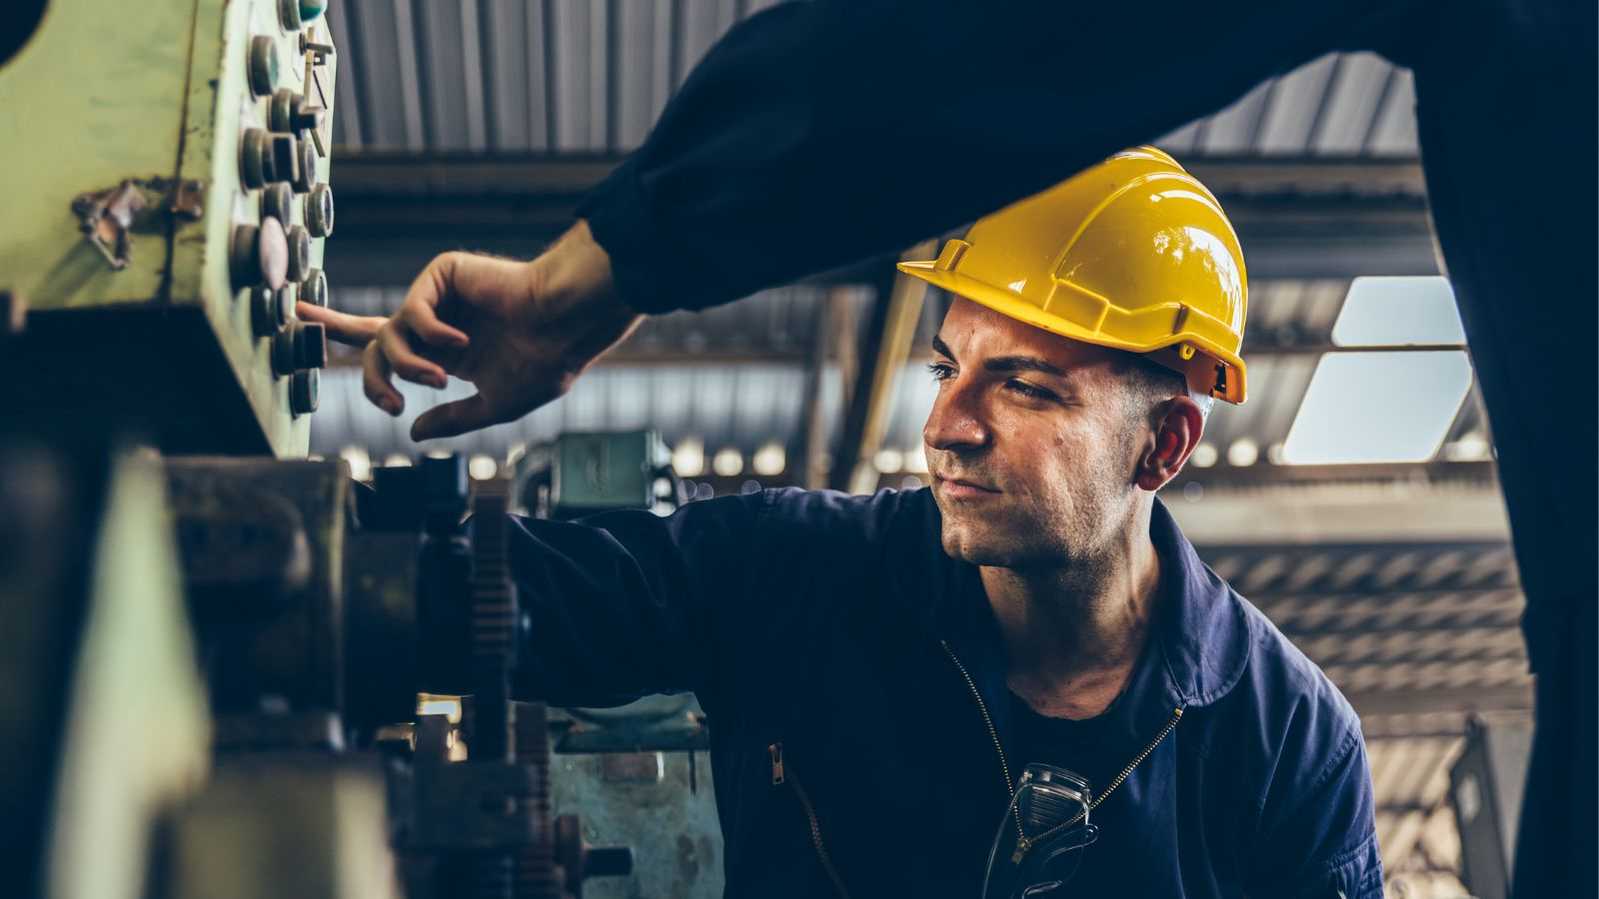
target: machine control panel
176 192
285 139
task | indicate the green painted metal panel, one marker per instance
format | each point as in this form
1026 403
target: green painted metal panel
88 102
157 92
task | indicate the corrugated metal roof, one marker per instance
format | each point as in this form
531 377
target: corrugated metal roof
576 76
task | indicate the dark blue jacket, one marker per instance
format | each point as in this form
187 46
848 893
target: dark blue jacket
825 635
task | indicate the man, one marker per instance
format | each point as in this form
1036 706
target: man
879 671
819 133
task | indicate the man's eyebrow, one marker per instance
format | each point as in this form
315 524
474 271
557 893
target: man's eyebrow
1003 364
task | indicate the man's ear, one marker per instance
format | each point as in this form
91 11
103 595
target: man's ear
1177 431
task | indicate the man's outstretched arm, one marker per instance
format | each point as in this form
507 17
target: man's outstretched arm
819 133
626 604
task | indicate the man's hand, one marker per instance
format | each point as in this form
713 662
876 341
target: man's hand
520 331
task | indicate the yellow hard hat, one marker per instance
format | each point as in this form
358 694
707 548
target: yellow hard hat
1133 254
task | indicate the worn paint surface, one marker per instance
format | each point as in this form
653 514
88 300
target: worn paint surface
676 840
87 103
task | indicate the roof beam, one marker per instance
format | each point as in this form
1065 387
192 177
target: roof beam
1298 217
895 312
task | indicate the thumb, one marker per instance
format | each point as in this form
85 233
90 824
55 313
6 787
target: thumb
450 419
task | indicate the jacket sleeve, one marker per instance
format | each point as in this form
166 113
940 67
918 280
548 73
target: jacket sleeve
820 133
1323 843
625 604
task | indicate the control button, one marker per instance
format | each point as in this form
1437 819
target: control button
255 158
277 202
263 65
290 114
303 389
304 177
289 15
300 345
311 345
319 211
285 159
299 256
310 9
270 309
280 112
314 289
259 254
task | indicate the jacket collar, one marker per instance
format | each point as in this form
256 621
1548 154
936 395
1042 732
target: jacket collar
1204 633
1197 653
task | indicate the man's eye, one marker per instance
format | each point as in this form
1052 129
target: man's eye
941 371
1028 390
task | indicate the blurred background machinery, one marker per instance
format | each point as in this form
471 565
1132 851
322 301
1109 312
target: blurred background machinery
1354 499
245 676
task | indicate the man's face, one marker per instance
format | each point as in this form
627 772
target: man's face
1030 442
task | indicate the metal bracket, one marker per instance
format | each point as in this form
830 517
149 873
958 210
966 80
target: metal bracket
106 216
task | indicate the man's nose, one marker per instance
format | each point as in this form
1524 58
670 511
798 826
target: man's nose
956 422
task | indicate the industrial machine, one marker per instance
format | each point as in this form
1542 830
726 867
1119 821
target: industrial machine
167 202
239 673
218 664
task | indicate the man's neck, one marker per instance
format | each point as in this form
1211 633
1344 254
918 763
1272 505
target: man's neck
1074 634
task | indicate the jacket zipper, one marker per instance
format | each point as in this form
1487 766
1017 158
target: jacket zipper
780 775
1023 843
993 733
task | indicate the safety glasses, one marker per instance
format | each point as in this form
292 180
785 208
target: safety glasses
1043 836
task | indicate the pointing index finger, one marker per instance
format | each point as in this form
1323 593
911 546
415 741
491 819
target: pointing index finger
354 330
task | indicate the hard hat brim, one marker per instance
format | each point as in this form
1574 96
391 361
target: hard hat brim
1001 301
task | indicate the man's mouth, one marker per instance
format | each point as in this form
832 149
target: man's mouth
961 488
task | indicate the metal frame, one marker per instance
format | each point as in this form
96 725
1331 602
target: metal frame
1298 218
